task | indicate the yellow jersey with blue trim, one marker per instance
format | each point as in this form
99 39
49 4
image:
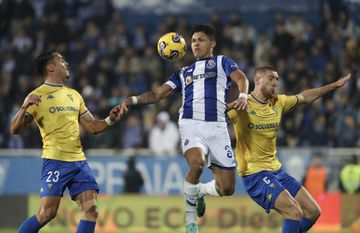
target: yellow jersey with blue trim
256 131
57 117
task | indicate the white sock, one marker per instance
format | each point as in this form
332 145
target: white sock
208 189
191 192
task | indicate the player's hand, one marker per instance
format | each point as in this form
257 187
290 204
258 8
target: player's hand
115 114
239 104
125 106
30 100
341 82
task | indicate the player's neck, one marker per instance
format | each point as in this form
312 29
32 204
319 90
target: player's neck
259 96
53 81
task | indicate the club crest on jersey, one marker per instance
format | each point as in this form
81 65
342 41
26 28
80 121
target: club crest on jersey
275 110
188 80
70 97
210 64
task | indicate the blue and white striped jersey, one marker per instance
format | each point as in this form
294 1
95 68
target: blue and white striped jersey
204 85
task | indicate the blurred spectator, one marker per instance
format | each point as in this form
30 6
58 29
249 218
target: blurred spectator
113 55
350 176
164 136
315 178
132 137
132 178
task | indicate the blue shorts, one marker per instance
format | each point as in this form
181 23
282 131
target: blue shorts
59 175
264 187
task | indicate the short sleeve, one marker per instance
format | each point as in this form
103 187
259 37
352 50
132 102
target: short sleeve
174 81
82 108
288 102
32 108
229 65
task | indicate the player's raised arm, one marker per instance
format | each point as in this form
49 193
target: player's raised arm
21 120
242 83
149 97
310 95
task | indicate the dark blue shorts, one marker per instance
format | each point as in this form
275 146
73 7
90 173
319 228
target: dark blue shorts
59 175
264 187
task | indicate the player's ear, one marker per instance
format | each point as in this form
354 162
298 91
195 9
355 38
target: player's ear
213 44
50 67
256 79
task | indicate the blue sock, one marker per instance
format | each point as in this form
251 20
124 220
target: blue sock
290 226
30 225
86 227
306 224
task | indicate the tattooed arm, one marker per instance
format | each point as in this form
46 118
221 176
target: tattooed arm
149 97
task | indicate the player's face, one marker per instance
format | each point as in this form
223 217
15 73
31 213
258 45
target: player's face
269 82
201 45
61 66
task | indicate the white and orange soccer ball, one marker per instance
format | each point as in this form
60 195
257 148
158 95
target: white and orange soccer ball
171 46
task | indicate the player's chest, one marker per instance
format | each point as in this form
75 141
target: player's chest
263 118
59 103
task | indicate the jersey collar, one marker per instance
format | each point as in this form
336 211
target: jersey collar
53 85
257 100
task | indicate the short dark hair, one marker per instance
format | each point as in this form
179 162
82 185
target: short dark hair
263 69
205 28
42 60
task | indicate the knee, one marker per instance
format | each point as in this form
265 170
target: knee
90 214
315 213
197 165
226 190
46 215
293 211
297 213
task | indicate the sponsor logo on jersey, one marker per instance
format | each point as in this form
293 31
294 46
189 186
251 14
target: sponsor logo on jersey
50 97
188 80
263 126
206 75
63 109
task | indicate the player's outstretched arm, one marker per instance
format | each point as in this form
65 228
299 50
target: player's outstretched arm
95 126
22 120
243 86
310 95
149 97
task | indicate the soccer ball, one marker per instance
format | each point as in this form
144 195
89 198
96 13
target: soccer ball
171 46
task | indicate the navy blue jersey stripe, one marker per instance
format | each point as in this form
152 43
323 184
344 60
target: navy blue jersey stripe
210 90
228 82
188 93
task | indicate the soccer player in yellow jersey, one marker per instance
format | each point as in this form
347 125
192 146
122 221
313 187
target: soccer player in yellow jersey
58 110
256 130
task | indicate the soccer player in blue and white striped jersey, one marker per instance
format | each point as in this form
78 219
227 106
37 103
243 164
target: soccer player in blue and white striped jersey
204 86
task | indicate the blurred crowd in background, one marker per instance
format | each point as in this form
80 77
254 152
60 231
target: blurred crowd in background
110 60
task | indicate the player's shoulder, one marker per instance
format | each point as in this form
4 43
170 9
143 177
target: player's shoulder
42 89
283 97
224 58
71 90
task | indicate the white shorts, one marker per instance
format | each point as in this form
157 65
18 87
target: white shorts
212 137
